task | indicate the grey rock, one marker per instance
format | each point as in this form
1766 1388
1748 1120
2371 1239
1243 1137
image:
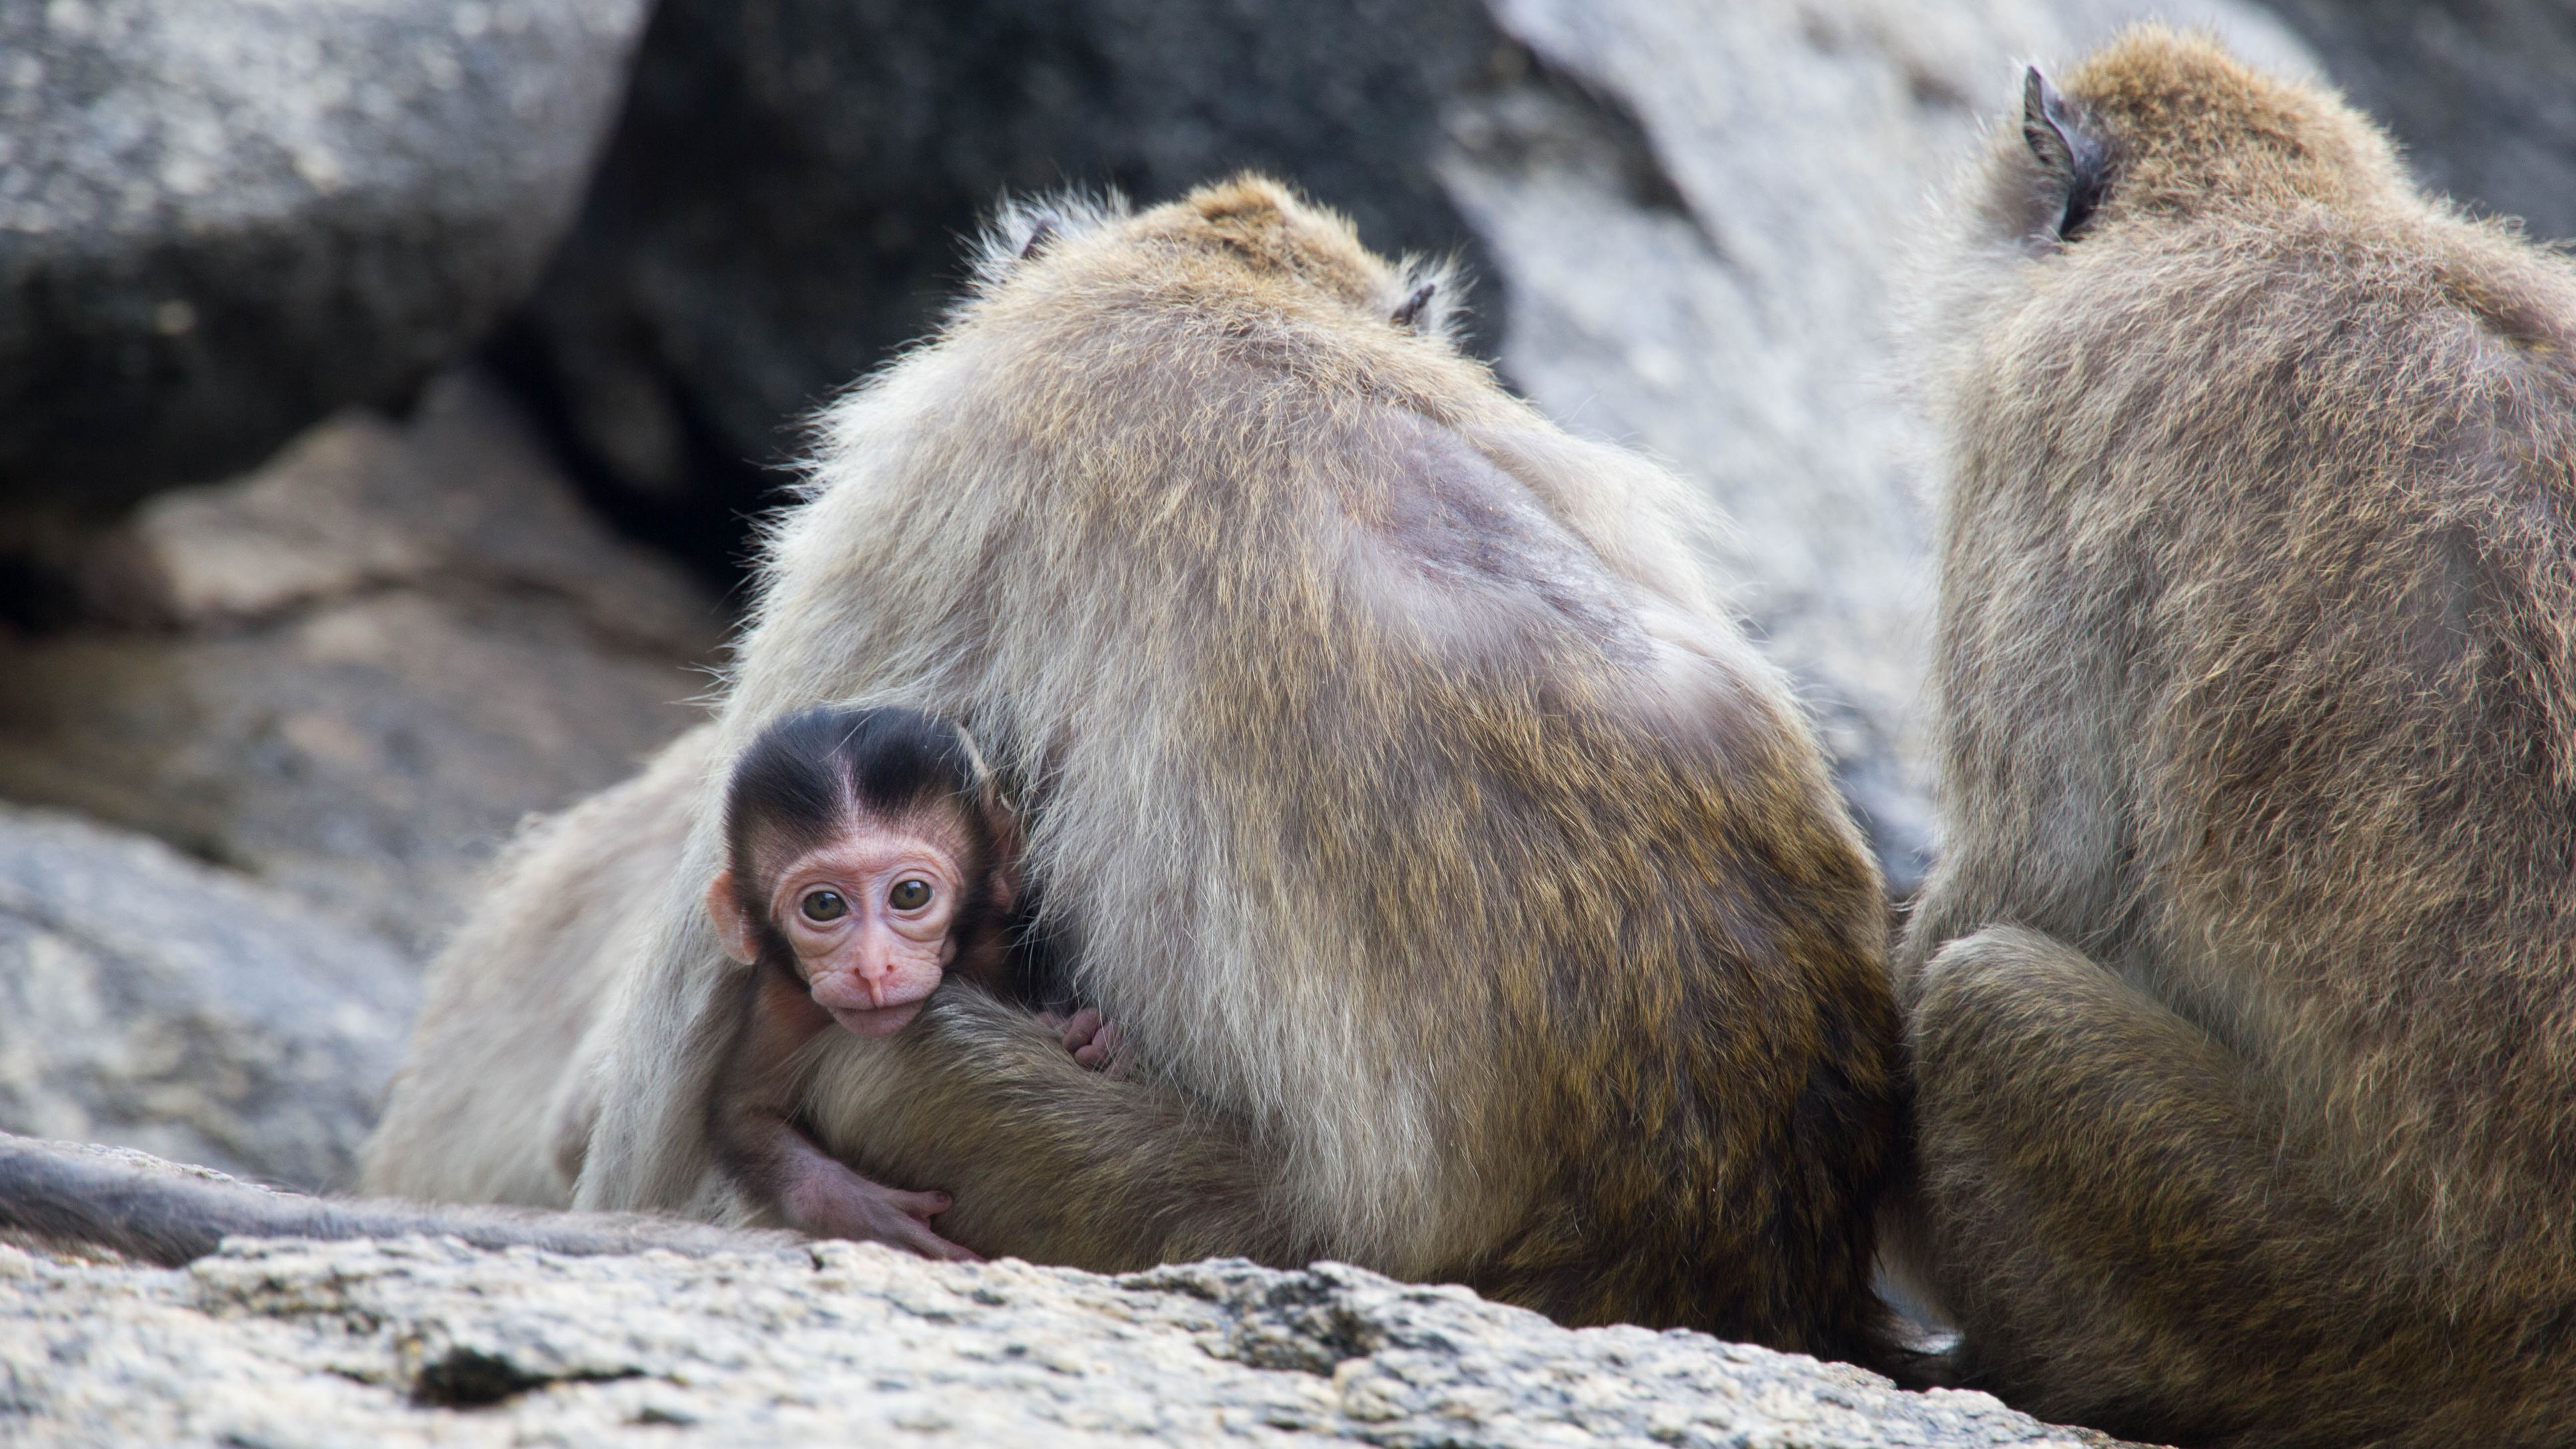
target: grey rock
362 665
219 220
430 1342
783 201
152 1001
2477 90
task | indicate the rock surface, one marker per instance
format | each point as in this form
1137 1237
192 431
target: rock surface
353 672
221 219
430 1342
1681 220
2477 90
154 1002
784 200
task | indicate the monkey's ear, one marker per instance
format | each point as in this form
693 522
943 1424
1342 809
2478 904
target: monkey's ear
733 923
1409 311
1041 231
1008 844
2072 156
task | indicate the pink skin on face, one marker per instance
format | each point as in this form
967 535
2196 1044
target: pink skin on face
869 916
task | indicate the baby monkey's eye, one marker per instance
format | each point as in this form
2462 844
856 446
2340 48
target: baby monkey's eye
823 906
909 895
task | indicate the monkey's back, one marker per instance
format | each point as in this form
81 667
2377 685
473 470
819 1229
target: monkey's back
2241 1001
1363 694
2261 611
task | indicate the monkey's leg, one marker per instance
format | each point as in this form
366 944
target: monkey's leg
1047 1159
2120 1238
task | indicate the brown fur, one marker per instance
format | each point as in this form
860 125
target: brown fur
1471 899
494 1100
2242 1002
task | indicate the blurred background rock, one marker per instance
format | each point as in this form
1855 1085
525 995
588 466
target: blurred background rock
220 219
385 386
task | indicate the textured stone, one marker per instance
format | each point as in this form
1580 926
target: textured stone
783 202
429 1342
152 1001
2477 90
362 665
221 219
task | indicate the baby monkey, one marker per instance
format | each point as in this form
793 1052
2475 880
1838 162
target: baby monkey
868 858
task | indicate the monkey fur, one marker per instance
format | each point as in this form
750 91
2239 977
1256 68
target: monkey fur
494 1100
2242 1002
1472 898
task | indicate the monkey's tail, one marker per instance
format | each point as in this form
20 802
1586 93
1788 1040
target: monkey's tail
155 1212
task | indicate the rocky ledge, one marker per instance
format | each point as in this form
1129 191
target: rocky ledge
428 1341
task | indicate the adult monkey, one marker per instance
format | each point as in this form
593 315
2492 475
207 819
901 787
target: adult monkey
2243 1001
1472 901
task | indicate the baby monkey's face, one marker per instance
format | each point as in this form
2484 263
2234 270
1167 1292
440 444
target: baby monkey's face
868 918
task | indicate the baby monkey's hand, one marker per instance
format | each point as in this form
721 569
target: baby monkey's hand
1093 1041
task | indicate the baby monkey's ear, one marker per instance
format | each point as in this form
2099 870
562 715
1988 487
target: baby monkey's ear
1001 823
734 925
1003 888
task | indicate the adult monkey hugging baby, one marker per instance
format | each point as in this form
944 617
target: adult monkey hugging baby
1471 901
